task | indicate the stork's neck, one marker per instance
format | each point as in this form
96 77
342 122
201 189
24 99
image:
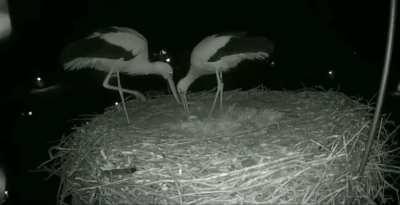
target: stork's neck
141 67
190 77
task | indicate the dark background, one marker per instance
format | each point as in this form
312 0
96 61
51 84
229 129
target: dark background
311 36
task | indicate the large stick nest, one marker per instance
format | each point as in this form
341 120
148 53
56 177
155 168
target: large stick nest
264 147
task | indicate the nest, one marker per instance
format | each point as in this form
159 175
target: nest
264 147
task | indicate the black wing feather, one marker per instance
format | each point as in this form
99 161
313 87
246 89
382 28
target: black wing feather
94 48
244 44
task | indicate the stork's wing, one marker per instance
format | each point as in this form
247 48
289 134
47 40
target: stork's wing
128 39
248 45
112 43
94 48
83 62
238 34
231 61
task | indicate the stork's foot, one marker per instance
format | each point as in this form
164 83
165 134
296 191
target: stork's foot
193 117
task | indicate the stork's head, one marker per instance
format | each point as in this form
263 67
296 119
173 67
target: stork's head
166 71
182 86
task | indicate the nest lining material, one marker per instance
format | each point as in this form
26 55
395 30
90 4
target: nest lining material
265 147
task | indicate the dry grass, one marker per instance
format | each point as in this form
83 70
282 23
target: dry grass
265 147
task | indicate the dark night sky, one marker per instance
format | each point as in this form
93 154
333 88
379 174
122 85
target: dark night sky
311 36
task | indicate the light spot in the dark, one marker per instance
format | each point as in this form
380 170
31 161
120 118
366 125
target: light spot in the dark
331 74
38 82
272 64
27 113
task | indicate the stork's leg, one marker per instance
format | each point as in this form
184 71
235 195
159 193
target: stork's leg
221 90
121 94
106 84
216 94
185 103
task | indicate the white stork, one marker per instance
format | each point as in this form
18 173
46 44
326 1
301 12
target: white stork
5 21
3 183
219 53
396 93
115 50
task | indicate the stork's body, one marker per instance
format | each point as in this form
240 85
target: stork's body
3 184
219 53
115 50
5 20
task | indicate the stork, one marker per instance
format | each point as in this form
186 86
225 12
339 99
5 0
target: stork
5 20
219 53
3 191
114 50
396 93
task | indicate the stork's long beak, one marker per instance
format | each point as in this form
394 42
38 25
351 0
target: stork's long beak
173 88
